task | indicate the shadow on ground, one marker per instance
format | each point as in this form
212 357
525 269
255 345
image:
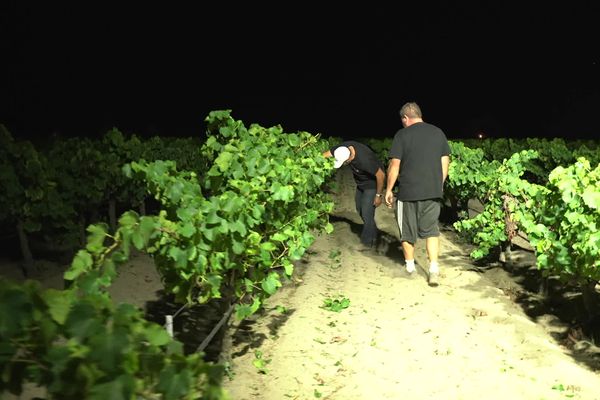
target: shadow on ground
192 325
387 245
545 299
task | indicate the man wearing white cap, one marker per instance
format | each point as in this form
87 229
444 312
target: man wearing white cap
368 174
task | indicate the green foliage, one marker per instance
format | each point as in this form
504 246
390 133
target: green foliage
80 346
232 232
564 228
551 153
335 257
260 363
498 183
336 304
470 175
252 212
28 191
381 147
560 219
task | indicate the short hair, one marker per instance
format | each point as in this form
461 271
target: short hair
411 110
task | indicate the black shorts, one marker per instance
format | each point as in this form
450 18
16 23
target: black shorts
418 219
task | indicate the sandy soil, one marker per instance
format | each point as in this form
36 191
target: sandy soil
481 334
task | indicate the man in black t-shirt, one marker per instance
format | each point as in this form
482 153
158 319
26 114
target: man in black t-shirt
419 160
368 174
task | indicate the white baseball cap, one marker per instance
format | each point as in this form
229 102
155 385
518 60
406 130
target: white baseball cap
341 154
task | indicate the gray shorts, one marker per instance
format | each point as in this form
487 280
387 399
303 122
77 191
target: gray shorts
418 219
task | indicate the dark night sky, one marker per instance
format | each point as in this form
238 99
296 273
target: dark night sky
159 69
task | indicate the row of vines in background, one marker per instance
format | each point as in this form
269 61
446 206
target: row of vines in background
232 232
551 153
561 217
53 192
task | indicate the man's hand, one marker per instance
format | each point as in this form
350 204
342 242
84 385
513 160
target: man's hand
377 201
389 198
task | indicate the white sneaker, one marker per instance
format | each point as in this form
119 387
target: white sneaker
434 278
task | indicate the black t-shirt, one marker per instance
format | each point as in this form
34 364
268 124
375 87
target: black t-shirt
364 166
420 148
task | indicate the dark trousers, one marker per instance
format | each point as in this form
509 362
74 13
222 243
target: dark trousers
364 206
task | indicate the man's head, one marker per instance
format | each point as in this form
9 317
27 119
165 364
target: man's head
410 113
341 154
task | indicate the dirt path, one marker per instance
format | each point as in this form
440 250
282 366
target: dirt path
399 338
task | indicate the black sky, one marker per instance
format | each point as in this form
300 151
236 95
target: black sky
159 68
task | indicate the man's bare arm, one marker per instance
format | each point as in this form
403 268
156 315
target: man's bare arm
380 179
445 165
392 175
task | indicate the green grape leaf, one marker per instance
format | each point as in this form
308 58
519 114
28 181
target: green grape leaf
187 230
121 388
591 197
82 262
157 335
95 239
271 283
244 310
59 303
